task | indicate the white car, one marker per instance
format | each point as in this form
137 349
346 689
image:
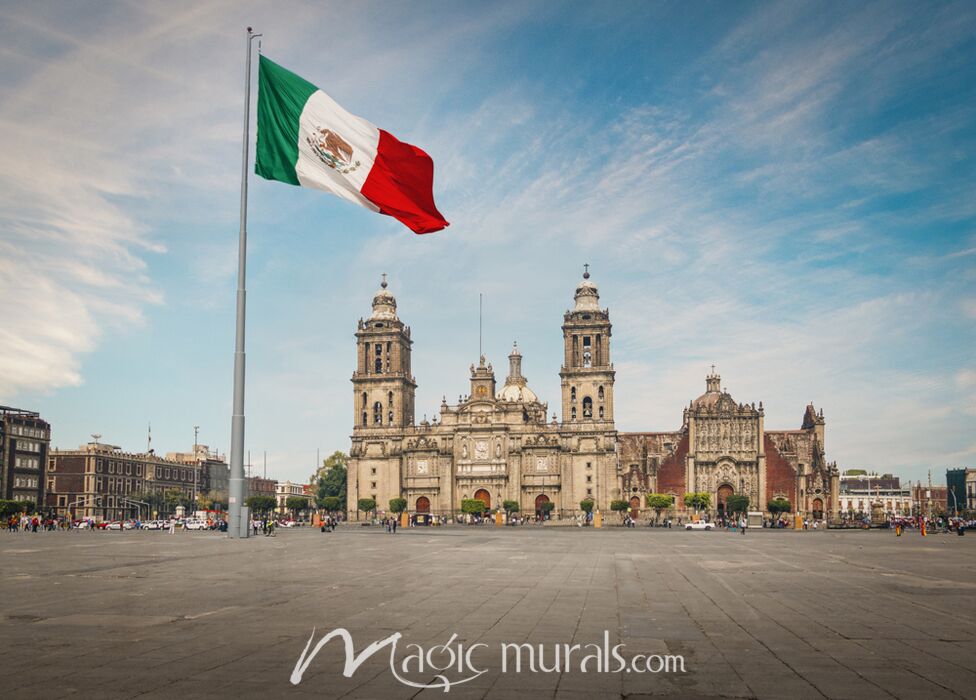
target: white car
701 525
195 525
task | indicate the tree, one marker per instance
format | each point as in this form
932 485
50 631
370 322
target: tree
330 503
619 506
366 504
659 502
296 504
510 506
398 505
261 505
698 501
547 507
204 502
586 505
473 506
8 508
27 506
737 504
174 497
779 505
332 477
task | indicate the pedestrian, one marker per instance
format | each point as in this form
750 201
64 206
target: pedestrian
394 524
742 524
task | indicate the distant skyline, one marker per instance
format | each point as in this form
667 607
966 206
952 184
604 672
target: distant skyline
787 191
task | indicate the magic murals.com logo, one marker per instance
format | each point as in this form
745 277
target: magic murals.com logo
456 663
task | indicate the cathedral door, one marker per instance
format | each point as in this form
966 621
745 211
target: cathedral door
724 491
483 496
423 504
634 506
540 501
817 509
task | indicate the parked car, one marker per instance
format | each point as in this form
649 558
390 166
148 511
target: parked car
195 524
114 525
700 525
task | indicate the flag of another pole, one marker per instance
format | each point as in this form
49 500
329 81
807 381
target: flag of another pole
306 138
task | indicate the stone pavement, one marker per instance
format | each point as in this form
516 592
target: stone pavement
771 614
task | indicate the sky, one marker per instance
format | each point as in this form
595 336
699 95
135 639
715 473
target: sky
784 190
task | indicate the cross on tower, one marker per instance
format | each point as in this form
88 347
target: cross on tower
383 283
586 271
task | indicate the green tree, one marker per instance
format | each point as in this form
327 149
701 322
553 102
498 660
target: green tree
296 504
398 505
547 507
659 502
472 506
737 504
698 501
778 506
510 506
174 497
586 505
330 503
8 508
261 504
333 477
619 506
27 506
366 504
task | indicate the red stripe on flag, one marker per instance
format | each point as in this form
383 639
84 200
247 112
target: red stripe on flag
401 184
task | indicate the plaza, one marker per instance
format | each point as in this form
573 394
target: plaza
768 614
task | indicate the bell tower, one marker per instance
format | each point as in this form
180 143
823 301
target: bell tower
383 385
587 374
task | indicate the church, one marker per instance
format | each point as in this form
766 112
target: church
501 444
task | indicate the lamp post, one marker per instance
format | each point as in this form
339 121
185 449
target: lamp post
196 459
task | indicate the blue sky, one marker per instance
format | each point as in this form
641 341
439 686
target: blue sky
785 190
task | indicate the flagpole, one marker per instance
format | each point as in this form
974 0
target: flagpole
236 483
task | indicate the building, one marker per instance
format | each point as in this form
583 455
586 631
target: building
930 500
961 489
102 482
500 445
860 489
286 489
258 486
214 473
25 439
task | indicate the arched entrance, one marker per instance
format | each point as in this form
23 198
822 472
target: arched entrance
423 504
724 491
818 509
483 496
634 507
540 502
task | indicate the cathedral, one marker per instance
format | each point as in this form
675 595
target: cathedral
501 444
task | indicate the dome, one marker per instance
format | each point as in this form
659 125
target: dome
713 392
587 296
514 392
516 387
384 304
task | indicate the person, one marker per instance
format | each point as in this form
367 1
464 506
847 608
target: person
742 525
172 526
393 524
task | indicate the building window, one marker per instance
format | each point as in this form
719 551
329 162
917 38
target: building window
378 413
365 419
572 393
373 471
587 407
389 399
589 465
599 393
391 418
589 492
365 401
601 411
373 485
589 478
389 351
378 362
587 354
573 414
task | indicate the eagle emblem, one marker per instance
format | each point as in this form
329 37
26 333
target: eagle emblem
333 150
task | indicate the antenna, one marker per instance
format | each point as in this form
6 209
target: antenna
480 324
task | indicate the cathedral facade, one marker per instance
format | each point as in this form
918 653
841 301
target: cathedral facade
499 444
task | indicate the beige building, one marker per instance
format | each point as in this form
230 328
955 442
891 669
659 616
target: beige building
499 444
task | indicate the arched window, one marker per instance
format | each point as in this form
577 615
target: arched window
587 358
365 419
587 407
378 362
572 393
601 411
574 413
599 393
365 401
378 413
391 418
389 399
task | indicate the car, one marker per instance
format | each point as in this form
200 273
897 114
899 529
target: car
195 524
114 525
700 525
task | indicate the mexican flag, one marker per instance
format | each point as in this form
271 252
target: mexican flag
306 138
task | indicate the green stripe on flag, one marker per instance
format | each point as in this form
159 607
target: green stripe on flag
281 97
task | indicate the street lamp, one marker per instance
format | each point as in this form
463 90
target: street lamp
196 435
